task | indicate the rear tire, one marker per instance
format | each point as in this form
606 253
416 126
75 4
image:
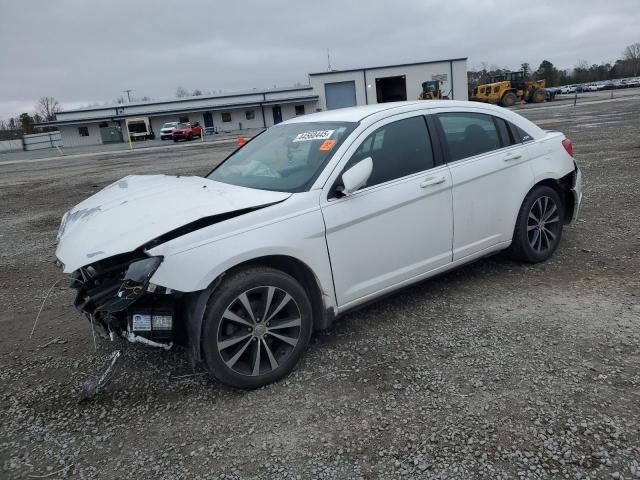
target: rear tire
257 326
508 99
538 227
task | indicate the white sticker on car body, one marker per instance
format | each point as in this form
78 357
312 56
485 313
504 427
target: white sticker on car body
313 135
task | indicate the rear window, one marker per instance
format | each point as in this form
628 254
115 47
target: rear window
468 134
506 135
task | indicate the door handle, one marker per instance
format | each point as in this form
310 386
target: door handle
432 181
512 156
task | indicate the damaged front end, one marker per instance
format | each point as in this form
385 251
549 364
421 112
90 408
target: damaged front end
116 295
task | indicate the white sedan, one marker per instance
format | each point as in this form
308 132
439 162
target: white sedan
166 132
313 217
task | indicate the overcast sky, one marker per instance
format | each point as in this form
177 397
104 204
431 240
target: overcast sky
83 52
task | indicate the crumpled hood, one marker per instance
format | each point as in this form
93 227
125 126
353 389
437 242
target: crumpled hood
135 210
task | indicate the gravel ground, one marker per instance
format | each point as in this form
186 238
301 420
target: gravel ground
496 370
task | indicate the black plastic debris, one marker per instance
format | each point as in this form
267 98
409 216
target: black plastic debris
93 386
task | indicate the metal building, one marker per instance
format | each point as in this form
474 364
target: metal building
222 113
362 86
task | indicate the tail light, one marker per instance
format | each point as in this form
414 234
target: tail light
566 143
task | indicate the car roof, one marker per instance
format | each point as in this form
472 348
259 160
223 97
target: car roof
382 110
357 114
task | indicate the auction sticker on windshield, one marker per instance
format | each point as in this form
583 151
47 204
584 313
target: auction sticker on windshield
327 145
313 135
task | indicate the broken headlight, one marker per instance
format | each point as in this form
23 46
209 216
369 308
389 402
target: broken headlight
134 284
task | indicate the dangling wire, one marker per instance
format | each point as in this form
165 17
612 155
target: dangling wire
42 306
93 332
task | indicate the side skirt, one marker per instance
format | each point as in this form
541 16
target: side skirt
431 273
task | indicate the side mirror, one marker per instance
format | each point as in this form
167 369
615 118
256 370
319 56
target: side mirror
357 176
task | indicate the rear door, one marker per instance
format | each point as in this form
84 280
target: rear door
398 226
490 172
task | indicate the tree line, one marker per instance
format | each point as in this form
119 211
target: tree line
626 66
23 124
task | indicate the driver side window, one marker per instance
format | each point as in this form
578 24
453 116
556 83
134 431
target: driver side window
397 149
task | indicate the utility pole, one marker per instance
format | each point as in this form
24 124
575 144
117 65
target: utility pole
128 94
328 60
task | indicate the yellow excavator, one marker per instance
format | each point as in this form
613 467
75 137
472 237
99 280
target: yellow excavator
509 88
431 91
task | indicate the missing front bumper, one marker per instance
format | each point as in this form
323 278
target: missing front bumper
117 296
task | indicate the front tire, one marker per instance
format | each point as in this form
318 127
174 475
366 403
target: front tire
538 227
539 95
508 99
257 326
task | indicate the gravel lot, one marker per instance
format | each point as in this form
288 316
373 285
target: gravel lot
496 370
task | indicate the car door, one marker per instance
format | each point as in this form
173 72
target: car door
398 226
491 174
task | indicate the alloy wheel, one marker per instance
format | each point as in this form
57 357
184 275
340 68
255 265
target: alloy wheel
543 224
259 330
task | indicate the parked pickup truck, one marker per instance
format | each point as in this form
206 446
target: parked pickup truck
186 131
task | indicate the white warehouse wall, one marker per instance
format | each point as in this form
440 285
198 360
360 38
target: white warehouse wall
238 116
71 135
288 110
460 81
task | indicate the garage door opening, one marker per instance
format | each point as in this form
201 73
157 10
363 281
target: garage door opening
391 89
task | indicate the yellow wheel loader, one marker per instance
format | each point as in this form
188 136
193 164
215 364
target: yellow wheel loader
510 88
431 91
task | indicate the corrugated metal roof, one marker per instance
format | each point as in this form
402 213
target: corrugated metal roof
243 93
226 106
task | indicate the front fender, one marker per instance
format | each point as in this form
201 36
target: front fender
194 268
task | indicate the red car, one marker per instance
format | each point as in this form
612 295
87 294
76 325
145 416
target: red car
186 131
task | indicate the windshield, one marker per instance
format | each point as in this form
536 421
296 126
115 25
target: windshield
170 125
285 158
183 125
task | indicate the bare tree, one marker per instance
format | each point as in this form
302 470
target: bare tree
197 92
583 64
181 92
631 56
47 107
